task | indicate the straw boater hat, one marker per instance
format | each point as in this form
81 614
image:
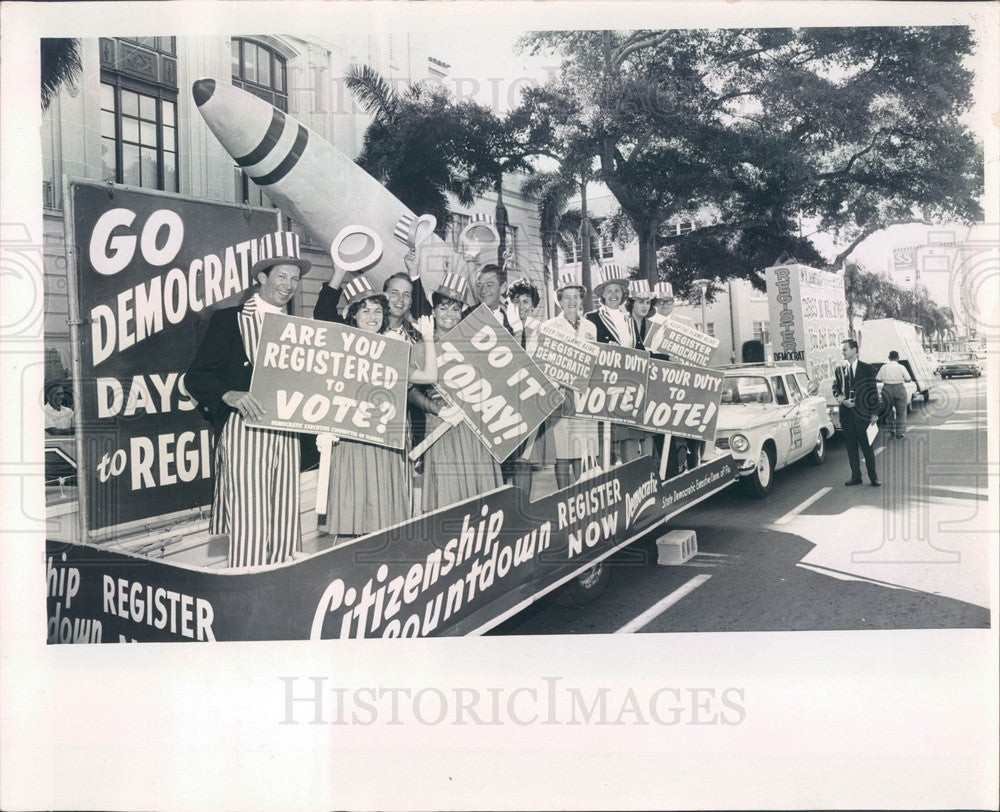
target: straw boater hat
567 280
358 289
663 290
639 289
612 275
454 287
279 248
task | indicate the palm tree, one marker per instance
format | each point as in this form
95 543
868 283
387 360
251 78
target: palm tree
60 62
552 192
415 143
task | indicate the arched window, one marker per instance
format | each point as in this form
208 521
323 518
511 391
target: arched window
261 70
139 111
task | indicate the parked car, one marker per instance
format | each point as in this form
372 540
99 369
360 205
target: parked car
960 363
770 417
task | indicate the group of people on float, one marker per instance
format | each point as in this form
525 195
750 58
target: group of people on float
256 499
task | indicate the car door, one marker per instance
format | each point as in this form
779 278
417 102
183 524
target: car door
806 418
786 439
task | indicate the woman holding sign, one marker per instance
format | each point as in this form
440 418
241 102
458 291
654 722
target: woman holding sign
370 484
575 438
639 306
615 326
256 499
457 466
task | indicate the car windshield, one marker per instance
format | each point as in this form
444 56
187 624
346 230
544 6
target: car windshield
746 389
960 356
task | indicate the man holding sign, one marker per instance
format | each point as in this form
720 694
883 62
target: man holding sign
256 499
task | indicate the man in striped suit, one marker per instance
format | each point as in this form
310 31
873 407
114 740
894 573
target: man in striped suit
256 499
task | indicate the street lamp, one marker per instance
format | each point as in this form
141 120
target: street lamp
703 284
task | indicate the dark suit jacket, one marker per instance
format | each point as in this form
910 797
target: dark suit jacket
862 388
220 365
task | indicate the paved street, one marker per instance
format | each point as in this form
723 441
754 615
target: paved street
817 555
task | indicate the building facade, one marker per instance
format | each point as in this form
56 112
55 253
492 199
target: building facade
130 118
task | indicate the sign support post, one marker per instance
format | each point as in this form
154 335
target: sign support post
76 362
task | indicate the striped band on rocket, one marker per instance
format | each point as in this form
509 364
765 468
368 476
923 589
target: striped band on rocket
339 204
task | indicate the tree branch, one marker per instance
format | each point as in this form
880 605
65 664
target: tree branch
841 258
637 43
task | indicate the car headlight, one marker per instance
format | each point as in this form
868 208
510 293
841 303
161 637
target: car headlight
739 442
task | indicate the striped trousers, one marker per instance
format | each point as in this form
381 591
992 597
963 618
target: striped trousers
256 499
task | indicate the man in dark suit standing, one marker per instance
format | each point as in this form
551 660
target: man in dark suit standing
855 390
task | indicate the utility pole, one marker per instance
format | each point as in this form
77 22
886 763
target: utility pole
703 284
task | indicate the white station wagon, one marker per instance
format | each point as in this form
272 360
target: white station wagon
770 417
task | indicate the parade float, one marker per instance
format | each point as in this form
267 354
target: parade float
129 556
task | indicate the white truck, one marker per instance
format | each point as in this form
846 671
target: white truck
878 337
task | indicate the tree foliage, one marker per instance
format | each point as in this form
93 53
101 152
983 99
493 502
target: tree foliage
850 129
875 296
421 144
60 62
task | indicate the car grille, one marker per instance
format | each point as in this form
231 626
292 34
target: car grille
722 442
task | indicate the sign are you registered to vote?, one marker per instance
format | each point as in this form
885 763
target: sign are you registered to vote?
315 376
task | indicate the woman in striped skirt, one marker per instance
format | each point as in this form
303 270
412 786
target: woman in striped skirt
256 500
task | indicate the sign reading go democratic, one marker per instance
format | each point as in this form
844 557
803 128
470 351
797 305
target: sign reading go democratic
150 267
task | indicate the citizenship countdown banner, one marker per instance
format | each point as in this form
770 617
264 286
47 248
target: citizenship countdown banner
459 570
317 376
150 267
502 393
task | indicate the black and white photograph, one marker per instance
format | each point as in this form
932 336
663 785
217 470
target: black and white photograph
601 393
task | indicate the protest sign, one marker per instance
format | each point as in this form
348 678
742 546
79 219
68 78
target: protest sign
680 341
682 400
808 317
503 395
566 359
315 376
149 268
617 386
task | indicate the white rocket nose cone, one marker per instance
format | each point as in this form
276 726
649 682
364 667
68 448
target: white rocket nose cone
202 90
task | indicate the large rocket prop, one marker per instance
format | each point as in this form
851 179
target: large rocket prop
366 228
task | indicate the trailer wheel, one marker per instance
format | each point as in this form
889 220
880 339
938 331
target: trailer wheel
927 395
586 588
